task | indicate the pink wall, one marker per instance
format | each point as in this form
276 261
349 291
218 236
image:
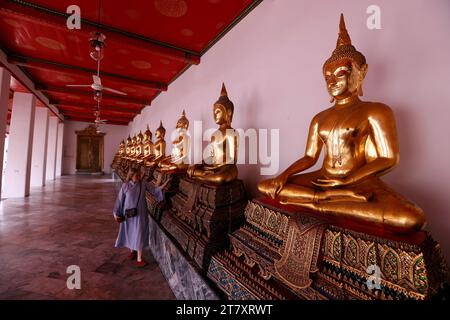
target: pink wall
114 134
271 62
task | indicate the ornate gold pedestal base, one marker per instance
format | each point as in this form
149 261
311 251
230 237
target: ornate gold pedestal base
120 166
156 208
202 217
280 253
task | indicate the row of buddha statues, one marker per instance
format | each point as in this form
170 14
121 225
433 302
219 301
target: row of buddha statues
336 213
218 169
360 142
141 149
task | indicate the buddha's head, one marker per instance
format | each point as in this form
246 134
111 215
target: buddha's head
345 70
133 140
183 122
160 132
128 140
139 137
147 135
223 108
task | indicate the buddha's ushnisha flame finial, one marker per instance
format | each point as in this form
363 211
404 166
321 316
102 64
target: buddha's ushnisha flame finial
344 37
183 113
223 92
344 48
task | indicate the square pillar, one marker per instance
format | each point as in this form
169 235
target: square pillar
39 156
51 148
5 79
20 146
59 149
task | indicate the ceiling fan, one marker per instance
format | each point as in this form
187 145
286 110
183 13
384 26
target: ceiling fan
97 43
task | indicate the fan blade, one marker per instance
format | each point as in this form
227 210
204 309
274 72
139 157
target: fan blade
78 85
97 80
115 91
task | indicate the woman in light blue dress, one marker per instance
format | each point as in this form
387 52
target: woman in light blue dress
133 230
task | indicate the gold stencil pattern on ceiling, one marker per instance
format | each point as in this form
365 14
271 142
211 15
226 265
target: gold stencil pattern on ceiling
140 64
171 8
50 43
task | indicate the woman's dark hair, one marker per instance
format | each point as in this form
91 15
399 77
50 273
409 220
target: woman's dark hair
132 172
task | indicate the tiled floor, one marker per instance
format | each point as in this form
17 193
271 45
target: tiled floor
69 222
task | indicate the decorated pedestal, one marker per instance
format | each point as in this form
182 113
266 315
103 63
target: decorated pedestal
202 216
122 169
117 166
156 208
116 162
148 172
281 253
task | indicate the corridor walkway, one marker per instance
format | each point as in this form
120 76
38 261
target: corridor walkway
69 222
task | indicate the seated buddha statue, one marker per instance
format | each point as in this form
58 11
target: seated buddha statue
220 167
121 148
159 147
139 148
147 144
180 147
360 142
128 148
133 147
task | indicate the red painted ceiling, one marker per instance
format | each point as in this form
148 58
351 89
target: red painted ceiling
149 43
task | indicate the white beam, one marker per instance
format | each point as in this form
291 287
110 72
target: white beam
59 149
20 146
39 158
51 148
5 80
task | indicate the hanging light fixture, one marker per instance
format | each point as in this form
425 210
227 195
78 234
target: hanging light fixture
97 40
97 44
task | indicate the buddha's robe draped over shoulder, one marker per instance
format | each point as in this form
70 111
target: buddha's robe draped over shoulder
134 232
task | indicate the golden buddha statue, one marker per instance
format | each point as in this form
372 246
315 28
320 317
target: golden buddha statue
139 148
121 148
180 147
159 147
133 147
220 167
128 147
360 142
147 143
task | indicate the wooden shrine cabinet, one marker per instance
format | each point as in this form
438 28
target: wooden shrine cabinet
90 147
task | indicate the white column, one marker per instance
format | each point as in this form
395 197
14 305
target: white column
59 149
51 148
39 157
20 146
5 79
